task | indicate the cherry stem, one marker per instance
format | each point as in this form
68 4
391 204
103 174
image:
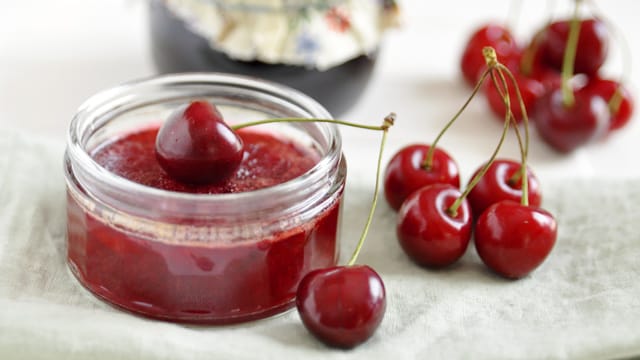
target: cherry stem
524 150
507 102
491 59
568 62
293 119
428 161
453 209
494 66
616 100
388 122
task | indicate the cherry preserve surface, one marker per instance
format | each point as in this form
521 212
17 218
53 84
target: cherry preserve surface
200 282
176 48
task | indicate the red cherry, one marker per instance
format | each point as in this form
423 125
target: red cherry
342 305
513 239
530 89
427 232
497 185
406 174
566 128
196 146
496 36
606 89
591 51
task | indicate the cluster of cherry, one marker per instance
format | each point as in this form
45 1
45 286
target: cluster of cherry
559 75
435 220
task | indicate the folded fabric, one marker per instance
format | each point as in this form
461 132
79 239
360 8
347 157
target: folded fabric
583 302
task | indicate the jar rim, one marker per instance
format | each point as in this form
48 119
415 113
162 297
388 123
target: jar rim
117 97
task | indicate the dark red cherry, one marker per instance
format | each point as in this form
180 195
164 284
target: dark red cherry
196 146
343 305
513 239
498 184
606 89
567 128
530 89
591 51
405 172
427 232
497 36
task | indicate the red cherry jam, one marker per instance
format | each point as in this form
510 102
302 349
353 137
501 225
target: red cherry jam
267 161
211 254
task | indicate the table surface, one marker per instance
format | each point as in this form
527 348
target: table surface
55 54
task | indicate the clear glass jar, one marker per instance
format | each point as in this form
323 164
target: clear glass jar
199 258
326 48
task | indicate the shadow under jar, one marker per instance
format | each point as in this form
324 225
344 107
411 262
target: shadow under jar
326 49
200 258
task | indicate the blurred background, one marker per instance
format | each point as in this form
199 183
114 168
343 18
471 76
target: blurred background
56 54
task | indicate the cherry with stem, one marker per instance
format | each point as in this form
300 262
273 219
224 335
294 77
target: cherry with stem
419 165
567 119
504 178
196 146
344 305
434 224
514 238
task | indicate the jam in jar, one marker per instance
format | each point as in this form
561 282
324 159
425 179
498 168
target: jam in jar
213 254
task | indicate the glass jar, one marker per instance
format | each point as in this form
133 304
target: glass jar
200 258
324 48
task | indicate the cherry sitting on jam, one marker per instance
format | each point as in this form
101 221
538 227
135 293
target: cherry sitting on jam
195 145
268 161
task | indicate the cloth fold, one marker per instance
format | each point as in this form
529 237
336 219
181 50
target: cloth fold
583 302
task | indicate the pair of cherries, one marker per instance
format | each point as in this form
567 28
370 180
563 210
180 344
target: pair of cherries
340 305
587 109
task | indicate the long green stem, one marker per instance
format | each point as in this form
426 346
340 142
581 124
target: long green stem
524 150
292 119
503 91
453 209
429 158
523 108
517 175
376 191
568 62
